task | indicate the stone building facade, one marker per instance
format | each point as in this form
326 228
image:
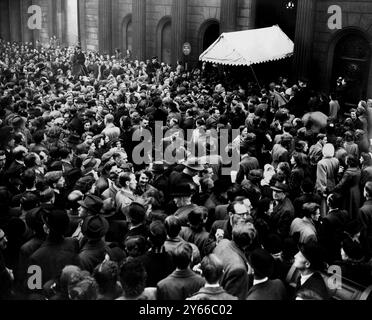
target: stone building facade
161 27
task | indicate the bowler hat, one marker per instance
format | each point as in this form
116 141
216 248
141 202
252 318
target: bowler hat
280 187
57 221
92 203
95 227
262 263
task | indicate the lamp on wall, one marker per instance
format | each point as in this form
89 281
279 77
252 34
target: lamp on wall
290 5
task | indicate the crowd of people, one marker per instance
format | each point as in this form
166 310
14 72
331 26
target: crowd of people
82 218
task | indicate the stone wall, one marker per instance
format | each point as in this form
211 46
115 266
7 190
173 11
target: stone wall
155 11
199 12
91 24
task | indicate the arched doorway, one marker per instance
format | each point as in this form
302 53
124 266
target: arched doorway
164 40
208 33
127 34
166 43
351 61
211 35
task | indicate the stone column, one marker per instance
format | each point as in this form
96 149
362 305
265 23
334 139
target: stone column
52 18
104 26
229 12
305 21
15 20
139 29
252 6
82 24
4 20
115 34
179 29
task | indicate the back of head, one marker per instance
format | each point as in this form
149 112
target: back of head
328 150
368 189
182 255
136 213
157 234
106 274
243 234
212 268
133 277
86 289
172 226
309 209
262 263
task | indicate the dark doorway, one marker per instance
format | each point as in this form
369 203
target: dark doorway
211 34
351 61
166 43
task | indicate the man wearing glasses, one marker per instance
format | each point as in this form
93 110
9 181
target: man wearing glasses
239 211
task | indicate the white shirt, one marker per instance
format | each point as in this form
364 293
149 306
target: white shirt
255 282
305 278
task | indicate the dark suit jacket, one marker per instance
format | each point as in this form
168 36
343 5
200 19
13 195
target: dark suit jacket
365 214
53 256
349 187
225 225
268 290
314 283
212 293
92 254
235 279
179 285
158 266
246 165
282 217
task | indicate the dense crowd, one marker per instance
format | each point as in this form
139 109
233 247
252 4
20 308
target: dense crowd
89 210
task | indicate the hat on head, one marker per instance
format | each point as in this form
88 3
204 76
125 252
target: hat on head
158 167
182 190
89 163
193 164
262 263
95 227
280 187
73 139
53 176
57 221
108 208
92 203
314 254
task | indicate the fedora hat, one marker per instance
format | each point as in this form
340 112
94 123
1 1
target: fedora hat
194 164
92 203
95 227
280 187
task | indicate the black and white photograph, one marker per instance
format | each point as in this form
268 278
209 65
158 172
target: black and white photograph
185 154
